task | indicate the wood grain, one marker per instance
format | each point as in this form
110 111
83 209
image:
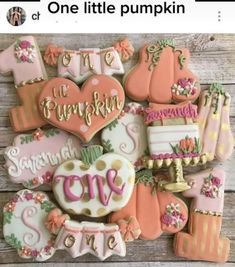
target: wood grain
212 59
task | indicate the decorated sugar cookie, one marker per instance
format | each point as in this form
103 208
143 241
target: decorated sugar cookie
203 242
215 130
125 49
155 211
23 226
127 135
84 111
33 157
95 185
173 140
23 60
162 75
78 65
98 239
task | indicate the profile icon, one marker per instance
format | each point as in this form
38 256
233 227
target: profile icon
16 16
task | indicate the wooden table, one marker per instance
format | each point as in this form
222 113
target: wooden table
212 59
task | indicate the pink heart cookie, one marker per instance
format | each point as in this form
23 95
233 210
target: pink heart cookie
82 112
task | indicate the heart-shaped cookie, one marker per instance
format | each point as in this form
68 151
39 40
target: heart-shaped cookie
97 189
82 112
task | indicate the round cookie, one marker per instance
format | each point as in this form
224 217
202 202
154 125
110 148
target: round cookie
96 189
132 130
23 226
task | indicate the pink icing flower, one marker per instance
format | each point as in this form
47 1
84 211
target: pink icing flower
29 196
47 249
10 207
215 181
15 198
47 177
38 134
24 44
166 219
24 58
129 228
183 83
39 198
34 253
25 251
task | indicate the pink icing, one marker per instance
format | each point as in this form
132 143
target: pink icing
26 161
132 130
110 175
67 183
201 201
22 71
95 63
101 235
188 111
72 68
30 212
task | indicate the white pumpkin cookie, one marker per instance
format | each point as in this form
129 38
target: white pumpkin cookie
96 185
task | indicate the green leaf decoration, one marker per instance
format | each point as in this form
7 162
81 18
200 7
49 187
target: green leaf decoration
13 241
181 60
175 148
198 145
51 132
144 176
91 154
146 152
107 145
166 43
216 88
112 125
26 139
47 206
7 217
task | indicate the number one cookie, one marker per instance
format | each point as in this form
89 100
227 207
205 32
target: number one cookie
24 60
203 242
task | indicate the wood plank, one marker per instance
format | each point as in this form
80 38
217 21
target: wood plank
195 42
126 264
158 250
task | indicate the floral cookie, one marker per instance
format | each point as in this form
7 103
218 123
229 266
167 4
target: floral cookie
162 75
215 130
98 239
82 112
96 185
23 59
34 157
203 242
156 211
23 228
131 128
83 63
